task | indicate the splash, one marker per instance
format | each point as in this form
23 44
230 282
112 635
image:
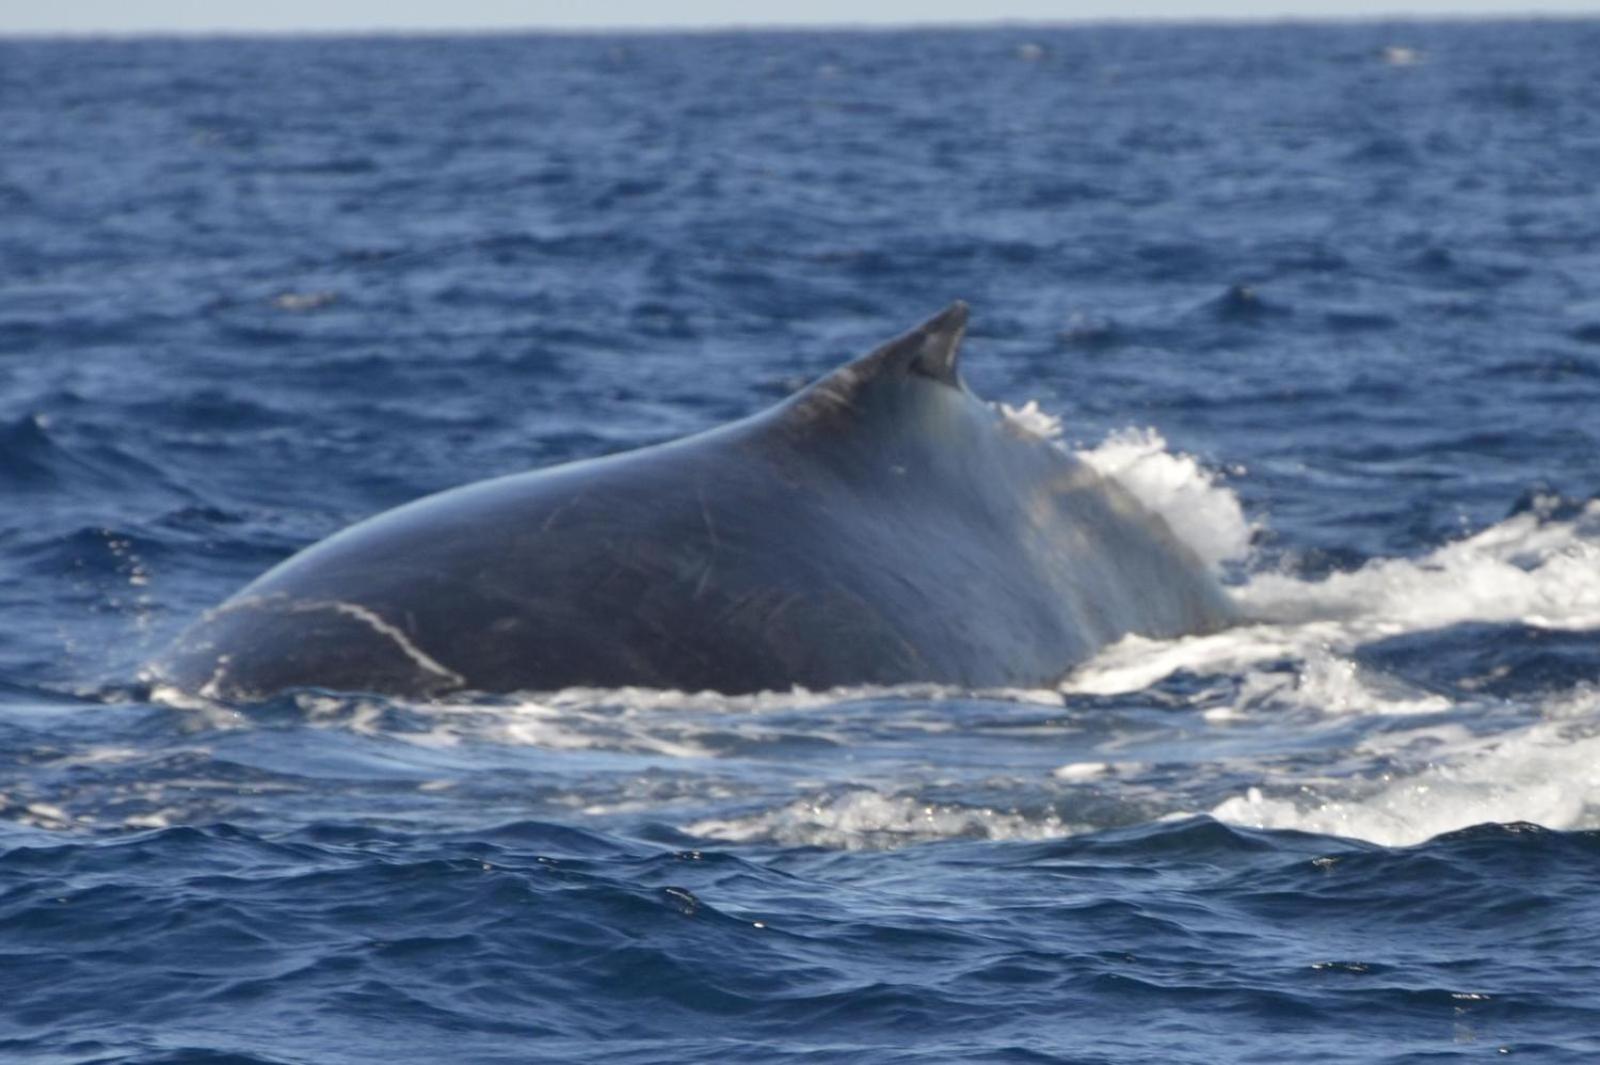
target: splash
1529 758
1547 774
1204 513
1527 568
1196 505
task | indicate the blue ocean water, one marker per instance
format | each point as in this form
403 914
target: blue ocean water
1328 296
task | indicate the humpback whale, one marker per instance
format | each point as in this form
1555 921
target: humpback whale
884 525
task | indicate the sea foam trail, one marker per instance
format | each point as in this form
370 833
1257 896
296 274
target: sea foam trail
1298 656
1535 570
1301 659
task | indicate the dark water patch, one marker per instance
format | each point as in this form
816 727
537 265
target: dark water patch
31 457
1241 303
1310 257
91 552
1485 444
356 165
1543 366
1503 661
1087 332
1354 320
1550 504
1435 260
1316 562
1383 151
1509 91
211 409
1476 269
1180 260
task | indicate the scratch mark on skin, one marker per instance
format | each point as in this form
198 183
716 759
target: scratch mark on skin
367 617
832 399
716 545
550 522
711 526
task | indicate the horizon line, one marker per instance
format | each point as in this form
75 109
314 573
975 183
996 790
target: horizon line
791 26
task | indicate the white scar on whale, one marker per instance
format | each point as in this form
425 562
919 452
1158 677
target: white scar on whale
213 688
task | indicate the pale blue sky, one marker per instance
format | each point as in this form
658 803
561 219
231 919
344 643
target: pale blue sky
127 16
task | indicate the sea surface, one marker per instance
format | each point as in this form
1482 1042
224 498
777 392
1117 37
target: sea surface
1326 296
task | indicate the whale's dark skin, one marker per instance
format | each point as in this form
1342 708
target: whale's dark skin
882 526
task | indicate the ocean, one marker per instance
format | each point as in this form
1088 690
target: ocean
1326 296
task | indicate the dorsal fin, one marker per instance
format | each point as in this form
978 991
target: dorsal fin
930 349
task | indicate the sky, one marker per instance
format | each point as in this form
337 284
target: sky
202 16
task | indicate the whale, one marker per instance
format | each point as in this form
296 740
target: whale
881 526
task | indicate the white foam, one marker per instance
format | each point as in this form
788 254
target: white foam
1542 572
46 815
1032 419
1524 569
1547 773
154 819
557 725
1081 771
868 820
1298 657
657 722
664 723
1203 513
98 756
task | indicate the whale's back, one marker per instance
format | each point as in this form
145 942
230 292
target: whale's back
884 526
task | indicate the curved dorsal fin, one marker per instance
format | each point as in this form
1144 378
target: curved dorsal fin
930 349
